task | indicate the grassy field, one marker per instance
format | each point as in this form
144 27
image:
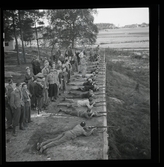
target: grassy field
128 105
124 38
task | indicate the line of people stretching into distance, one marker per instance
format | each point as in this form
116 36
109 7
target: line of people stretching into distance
44 85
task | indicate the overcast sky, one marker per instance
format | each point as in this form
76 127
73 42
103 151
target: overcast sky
122 16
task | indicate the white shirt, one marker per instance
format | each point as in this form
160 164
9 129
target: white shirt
83 103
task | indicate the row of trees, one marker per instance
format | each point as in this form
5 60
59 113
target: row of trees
22 23
65 27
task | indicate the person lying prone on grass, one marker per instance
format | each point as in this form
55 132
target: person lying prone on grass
79 103
79 130
82 95
74 111
85 88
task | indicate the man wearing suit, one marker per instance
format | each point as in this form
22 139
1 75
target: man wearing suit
17 106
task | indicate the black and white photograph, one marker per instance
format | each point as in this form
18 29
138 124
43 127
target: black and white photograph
77 84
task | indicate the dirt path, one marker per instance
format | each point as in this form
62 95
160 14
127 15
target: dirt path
48 125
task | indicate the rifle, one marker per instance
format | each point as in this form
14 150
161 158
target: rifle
99 105
91 127
100 102
72 84
102 87
99 83
101 93
102 112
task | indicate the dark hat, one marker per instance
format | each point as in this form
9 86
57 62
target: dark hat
23 84
82 124
90 99
18 84
27 68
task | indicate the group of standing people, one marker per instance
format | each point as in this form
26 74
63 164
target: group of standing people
17 105
41 86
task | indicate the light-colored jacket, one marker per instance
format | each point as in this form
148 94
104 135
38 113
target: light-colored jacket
53 78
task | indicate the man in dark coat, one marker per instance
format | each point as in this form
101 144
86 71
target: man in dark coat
8 89
38 90
69 52
28 75
27 103
8 111
36 65
31 86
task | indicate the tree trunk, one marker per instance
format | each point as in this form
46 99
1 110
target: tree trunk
37 40
24 57
72 43
30 43
52 50
16 41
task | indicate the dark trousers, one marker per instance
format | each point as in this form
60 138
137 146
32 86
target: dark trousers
64 87
22 115
33 101
36 70
27 112
69 75
39 102
60 77
53 90
8 115
16 116
56 90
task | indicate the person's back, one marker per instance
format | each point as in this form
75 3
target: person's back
77 131
82 103
38 89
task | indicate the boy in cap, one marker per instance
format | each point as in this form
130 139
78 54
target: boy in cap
8 89
8 111
38 90
36 65
17 105
89 113
28 76
45 72
27 103
79 130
